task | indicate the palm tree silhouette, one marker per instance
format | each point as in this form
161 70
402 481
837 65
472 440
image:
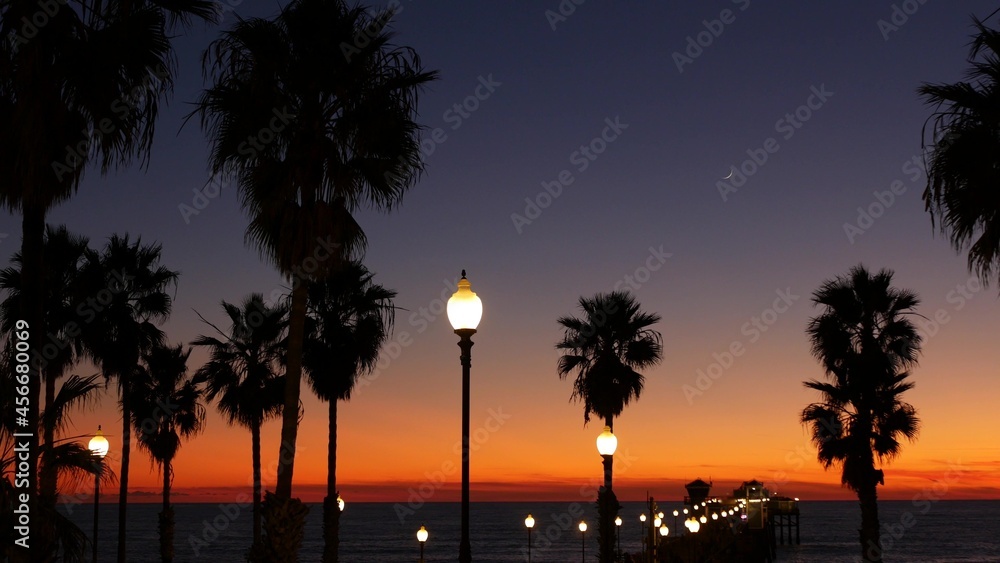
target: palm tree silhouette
310 133
127 285
83 89
167 408
962 158
606 347
866 344
68 458
64 259
350 318
242 374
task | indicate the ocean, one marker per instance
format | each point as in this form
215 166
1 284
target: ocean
943 531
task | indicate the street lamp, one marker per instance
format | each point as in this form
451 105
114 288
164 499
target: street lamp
676 514
340 502
583 536
98 446
642 534
421 538
465 310
607 443
618 533
664 530
529 523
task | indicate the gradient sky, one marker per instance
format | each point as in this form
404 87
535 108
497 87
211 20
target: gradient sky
653 188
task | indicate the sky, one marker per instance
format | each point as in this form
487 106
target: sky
579 147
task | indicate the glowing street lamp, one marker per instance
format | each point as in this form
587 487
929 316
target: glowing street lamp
618 533
607 443
529 523
583 535
642 534
664 530
340 502
421 538
465 310
98 446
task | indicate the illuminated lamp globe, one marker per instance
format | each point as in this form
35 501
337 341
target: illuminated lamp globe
607 443
422 534
618 521
583 526
465 309
529 522
664 530
98 444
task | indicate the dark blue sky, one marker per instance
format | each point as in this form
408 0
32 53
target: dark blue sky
656 185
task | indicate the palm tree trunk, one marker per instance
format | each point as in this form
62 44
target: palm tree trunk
293 381
255 445
32 311
871 542
48 475
123 382
331 508
167 518
284 517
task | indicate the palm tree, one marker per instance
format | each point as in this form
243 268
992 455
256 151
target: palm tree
962 164
84 88
866 344
167 408
242 373
310 133
350 318
606 348
71 461
64 258
128 286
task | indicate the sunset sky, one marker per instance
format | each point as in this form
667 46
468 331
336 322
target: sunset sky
823 90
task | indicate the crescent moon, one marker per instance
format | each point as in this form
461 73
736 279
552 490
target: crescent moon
731 171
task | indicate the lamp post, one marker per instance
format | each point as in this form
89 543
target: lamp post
618 535
607 443
98 446
642 534
676 514
663 532
465 310
695 526
421 538
583 544
529 523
